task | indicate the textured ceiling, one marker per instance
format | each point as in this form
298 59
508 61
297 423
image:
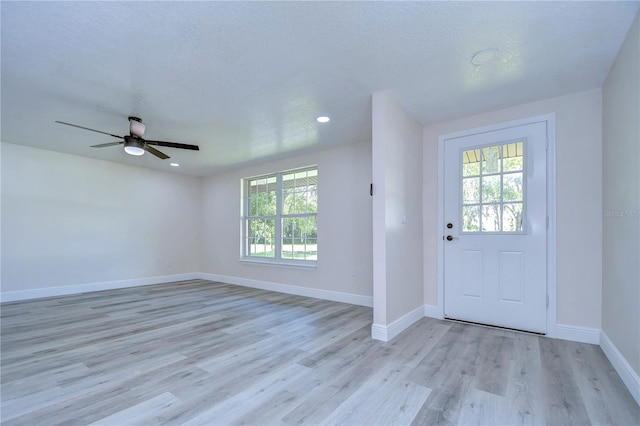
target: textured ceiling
245 80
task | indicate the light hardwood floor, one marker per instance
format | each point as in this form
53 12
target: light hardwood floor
197 352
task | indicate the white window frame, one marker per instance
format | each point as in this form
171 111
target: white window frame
278 217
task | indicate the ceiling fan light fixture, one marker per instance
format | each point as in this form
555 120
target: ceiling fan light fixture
133 146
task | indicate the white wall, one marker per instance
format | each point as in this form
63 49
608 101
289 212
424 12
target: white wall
69 220
344 224
621 201
578 203
397 215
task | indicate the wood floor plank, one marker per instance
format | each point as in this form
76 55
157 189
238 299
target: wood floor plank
337 349
596 378
457 352
444 404
524 390
137 415
482 408
493 372
564 404
27 385
399 404
419 339
321 401
235 405
199 352
428 416
387 397
274 408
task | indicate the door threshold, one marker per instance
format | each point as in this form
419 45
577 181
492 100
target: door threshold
534 333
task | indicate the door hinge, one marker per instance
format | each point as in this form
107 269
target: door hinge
547 144
547 222
547 301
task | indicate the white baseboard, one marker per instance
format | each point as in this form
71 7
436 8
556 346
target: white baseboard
431 311
13 296
577 334
336 296
629 377
353 299
379 332
386 333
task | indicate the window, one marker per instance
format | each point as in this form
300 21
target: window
280 217
493 190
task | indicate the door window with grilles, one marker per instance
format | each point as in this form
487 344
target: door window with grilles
493 188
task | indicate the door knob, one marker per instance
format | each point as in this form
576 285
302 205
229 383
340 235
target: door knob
449 238
449 225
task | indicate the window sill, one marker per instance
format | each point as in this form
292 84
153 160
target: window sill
309 264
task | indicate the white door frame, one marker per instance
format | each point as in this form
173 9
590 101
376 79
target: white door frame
550 119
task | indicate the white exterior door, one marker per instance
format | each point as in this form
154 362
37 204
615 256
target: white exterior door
495 227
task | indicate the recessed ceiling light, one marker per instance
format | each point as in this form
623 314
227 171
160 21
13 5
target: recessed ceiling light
323 119
174 164
484 56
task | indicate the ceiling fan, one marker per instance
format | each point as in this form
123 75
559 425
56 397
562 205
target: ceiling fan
134 144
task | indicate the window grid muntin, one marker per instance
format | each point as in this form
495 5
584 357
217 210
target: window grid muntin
476 155
310 177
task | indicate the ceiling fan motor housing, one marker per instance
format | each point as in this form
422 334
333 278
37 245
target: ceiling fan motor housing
136 127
